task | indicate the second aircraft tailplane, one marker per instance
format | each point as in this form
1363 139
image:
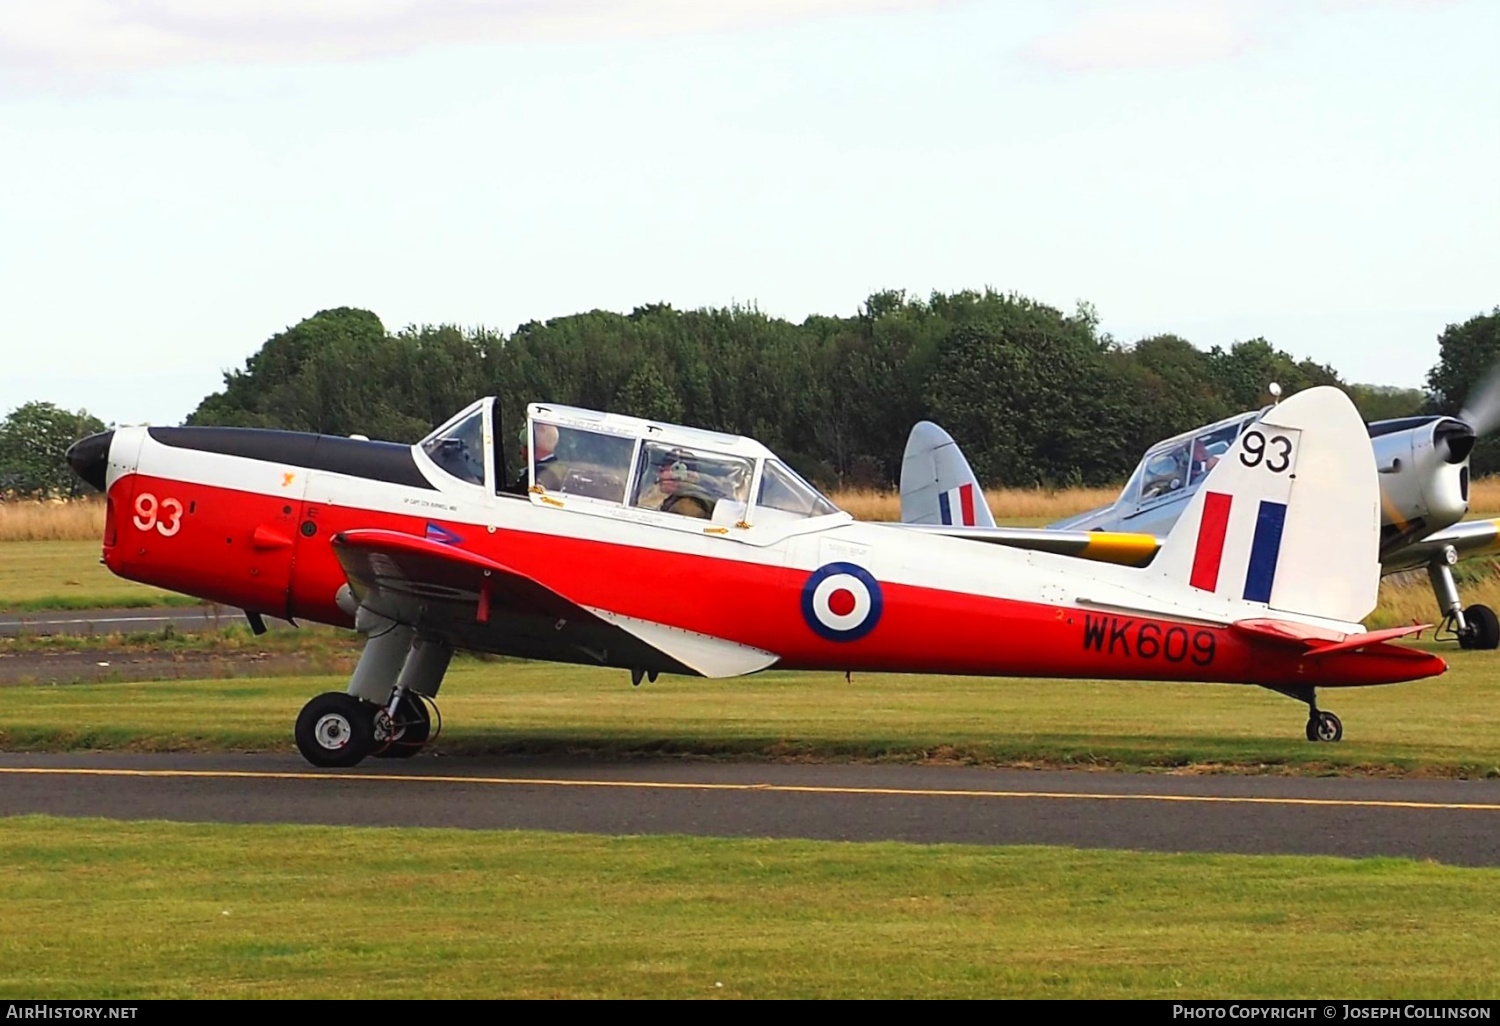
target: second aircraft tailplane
937 484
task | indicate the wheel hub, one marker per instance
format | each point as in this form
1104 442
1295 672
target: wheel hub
332 732
386 728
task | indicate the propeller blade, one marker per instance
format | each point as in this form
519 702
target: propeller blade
1482 408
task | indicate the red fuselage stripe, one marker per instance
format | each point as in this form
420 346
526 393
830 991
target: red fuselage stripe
921 629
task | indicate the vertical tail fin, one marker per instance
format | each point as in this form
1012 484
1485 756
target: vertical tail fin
1289 517
937 485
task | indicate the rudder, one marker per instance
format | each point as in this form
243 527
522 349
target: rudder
1289 517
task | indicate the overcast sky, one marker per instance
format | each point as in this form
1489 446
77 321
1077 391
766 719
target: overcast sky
182 180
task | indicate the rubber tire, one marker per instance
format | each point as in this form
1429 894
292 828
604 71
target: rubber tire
1324 726
356 726
415 734
1484 628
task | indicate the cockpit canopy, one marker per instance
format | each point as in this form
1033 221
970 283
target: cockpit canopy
1175 468
605 460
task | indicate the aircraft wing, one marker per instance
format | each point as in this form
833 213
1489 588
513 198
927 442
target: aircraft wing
1101 546
1468 538
476 603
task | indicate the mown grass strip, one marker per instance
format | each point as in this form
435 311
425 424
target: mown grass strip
68 575
1446 726
120 910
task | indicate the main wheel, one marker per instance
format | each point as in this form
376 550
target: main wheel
335 729
1324 726
1484 628
407 735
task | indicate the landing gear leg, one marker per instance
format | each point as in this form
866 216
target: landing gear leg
384 712
405 724
1476 627
1321 724
402 733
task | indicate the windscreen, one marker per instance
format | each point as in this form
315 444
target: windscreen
781 489
459 450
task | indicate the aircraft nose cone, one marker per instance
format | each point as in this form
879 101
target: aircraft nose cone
1455 440
89 458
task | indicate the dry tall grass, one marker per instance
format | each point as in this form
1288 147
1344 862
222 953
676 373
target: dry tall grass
84 520
1005 503
1407 598
1484 496
52 521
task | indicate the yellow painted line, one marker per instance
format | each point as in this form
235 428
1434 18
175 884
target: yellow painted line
663 785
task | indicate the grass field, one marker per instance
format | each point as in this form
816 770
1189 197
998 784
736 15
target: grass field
156 910
1448 726
68 575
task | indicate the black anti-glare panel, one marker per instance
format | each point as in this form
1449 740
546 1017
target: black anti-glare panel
378 461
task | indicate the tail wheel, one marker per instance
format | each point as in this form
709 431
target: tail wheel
1484 628
1324 726
405 736
335 729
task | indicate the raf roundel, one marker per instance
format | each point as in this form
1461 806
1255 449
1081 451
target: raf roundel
841 602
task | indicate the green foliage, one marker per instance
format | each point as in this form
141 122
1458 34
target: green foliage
337 373
647 394
1386 402
1467 353
34 442
1034 395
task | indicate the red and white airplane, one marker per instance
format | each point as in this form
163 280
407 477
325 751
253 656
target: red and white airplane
664 549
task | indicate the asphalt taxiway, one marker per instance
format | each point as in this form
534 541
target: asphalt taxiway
1452 821
187 619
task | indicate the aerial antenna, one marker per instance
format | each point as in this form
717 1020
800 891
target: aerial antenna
1275 391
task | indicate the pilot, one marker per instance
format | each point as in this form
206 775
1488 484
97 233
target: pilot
1202 461
677 488
549 472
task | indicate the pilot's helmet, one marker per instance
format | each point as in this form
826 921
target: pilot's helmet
677 465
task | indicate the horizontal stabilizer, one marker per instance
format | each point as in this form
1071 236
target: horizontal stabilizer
1320 641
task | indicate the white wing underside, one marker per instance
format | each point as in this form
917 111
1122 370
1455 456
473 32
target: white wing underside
708 655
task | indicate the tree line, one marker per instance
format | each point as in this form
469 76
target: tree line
1035 395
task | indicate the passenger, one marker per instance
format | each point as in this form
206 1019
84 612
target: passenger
677 488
